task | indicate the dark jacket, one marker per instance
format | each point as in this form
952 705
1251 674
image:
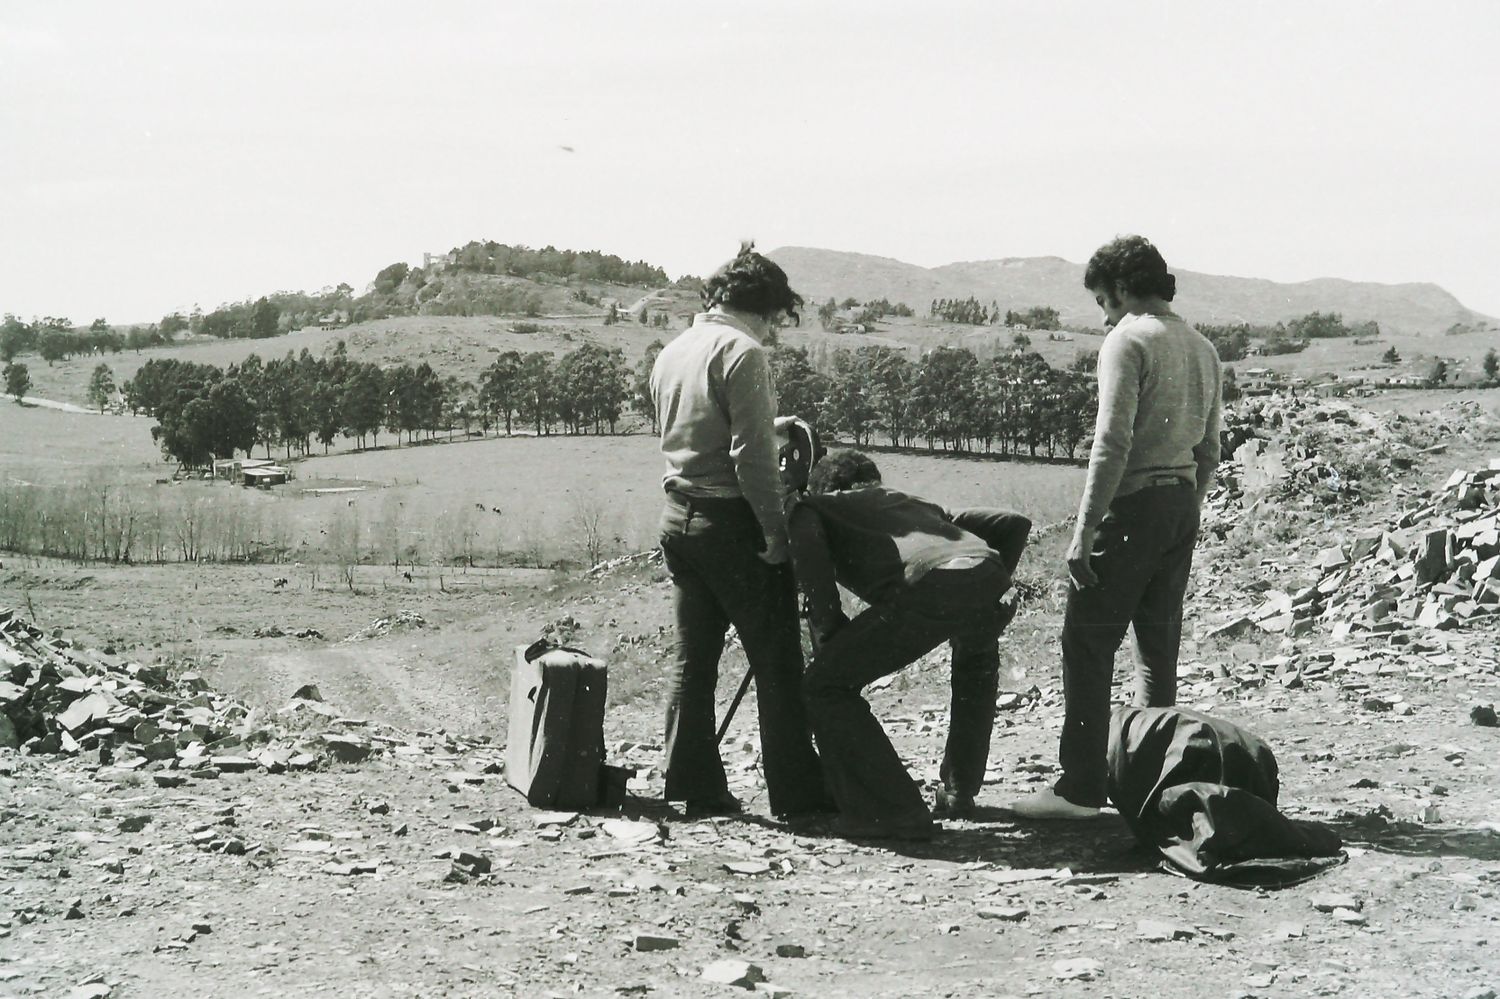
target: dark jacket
874 541
1202 792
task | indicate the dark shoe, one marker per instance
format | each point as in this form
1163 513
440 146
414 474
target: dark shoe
916 828
953 804
726 804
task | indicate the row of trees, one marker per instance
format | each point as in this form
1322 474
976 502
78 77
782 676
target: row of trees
204 412
490 257
949 398
55 338
1235 341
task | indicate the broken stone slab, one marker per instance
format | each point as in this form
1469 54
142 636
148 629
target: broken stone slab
346 750
739 974
1015 876
631 832
647 942
1010 914
86 710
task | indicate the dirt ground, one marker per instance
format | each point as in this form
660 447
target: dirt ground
344 881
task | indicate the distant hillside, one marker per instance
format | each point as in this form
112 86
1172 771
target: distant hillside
1022 282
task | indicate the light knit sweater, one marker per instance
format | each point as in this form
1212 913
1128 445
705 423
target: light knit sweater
716 406
1159 411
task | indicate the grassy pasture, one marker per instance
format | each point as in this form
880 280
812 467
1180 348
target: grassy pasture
52 445
549 490
1342 356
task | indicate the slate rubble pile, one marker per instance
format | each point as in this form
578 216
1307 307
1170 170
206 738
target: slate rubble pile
1435 566
1316 455
58 698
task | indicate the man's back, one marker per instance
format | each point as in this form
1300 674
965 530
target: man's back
1159 391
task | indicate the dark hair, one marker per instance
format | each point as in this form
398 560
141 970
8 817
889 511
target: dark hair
842 468
1134 263
752 283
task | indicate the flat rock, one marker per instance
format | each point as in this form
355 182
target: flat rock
741 974
1078 969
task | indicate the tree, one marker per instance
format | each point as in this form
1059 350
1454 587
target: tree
500 385
851 405
362 402
827 313
1491 364
640 399
390 278
17 380
1020 341
800 390
101 387
1392 356
54 339
536 401
1438 373
171 325
15 337
264 318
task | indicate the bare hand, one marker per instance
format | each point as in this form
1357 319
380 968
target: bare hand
776 552
1080 572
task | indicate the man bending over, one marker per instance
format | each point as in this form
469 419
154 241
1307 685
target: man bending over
929 576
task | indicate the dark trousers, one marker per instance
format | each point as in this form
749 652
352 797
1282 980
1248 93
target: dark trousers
864 772
1142 554
711 549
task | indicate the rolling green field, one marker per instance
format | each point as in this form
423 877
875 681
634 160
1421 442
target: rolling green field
495 501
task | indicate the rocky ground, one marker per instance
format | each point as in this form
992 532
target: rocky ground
249 842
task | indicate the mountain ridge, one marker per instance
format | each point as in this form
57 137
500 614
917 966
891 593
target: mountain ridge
1023 282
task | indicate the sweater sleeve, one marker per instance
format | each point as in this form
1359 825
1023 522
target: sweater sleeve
1003 530
1206 451
752 439
1120 372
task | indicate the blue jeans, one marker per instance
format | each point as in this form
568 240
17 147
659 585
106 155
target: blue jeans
1143 552
711 548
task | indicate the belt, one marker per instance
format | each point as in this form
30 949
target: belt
704 502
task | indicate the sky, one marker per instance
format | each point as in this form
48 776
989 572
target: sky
158 155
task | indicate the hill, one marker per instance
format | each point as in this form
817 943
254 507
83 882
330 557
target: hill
1022 282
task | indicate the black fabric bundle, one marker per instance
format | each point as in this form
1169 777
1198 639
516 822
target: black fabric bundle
1202 792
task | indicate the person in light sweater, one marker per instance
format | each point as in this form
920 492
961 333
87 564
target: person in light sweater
1156 444
724 541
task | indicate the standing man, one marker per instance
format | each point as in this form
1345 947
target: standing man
929 576
1156 444
724 540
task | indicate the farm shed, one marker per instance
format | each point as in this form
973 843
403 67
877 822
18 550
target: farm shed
234 469
266 475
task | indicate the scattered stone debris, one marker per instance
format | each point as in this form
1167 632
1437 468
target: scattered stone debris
1432 567
57 698
605 568
403 621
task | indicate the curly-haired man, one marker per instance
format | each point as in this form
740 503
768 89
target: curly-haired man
1156 444
723 536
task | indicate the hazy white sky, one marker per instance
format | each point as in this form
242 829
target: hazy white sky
155 155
